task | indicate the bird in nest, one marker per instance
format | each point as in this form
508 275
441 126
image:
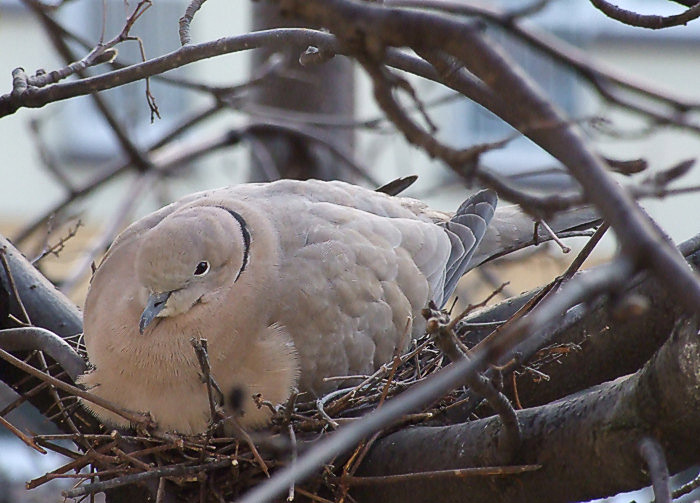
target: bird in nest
290 282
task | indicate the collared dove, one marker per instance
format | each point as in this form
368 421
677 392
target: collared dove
290 282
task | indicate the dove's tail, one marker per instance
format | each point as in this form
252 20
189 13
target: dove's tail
466 229
479 233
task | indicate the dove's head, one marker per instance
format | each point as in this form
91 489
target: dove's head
188 256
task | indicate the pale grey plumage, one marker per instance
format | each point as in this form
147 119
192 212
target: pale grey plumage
303 280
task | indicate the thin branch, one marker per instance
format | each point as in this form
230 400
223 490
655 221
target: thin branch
666 176
24 95
55 33
13 285
530 202
101 53
293 440
603 78
47 158
442 329
530 9
481 471
76 464
640 238
242 433
687 488
328 448
21 435
552 234
200 349
383 83
186 20
584 253
112 172
64 413
451 73
559 49
165 471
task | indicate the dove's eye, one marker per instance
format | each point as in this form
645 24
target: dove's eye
202 268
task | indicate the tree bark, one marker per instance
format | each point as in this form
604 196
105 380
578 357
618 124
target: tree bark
586 444
46 306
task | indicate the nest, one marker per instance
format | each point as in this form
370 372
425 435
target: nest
208 467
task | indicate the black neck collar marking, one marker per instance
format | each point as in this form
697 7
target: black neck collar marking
246 238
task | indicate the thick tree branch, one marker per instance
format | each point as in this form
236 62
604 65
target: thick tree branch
46 306
566 438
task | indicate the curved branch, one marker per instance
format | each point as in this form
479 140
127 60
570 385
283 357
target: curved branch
186 20
47 308
652 22
80 68
36 338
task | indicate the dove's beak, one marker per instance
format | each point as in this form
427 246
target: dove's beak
154 305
